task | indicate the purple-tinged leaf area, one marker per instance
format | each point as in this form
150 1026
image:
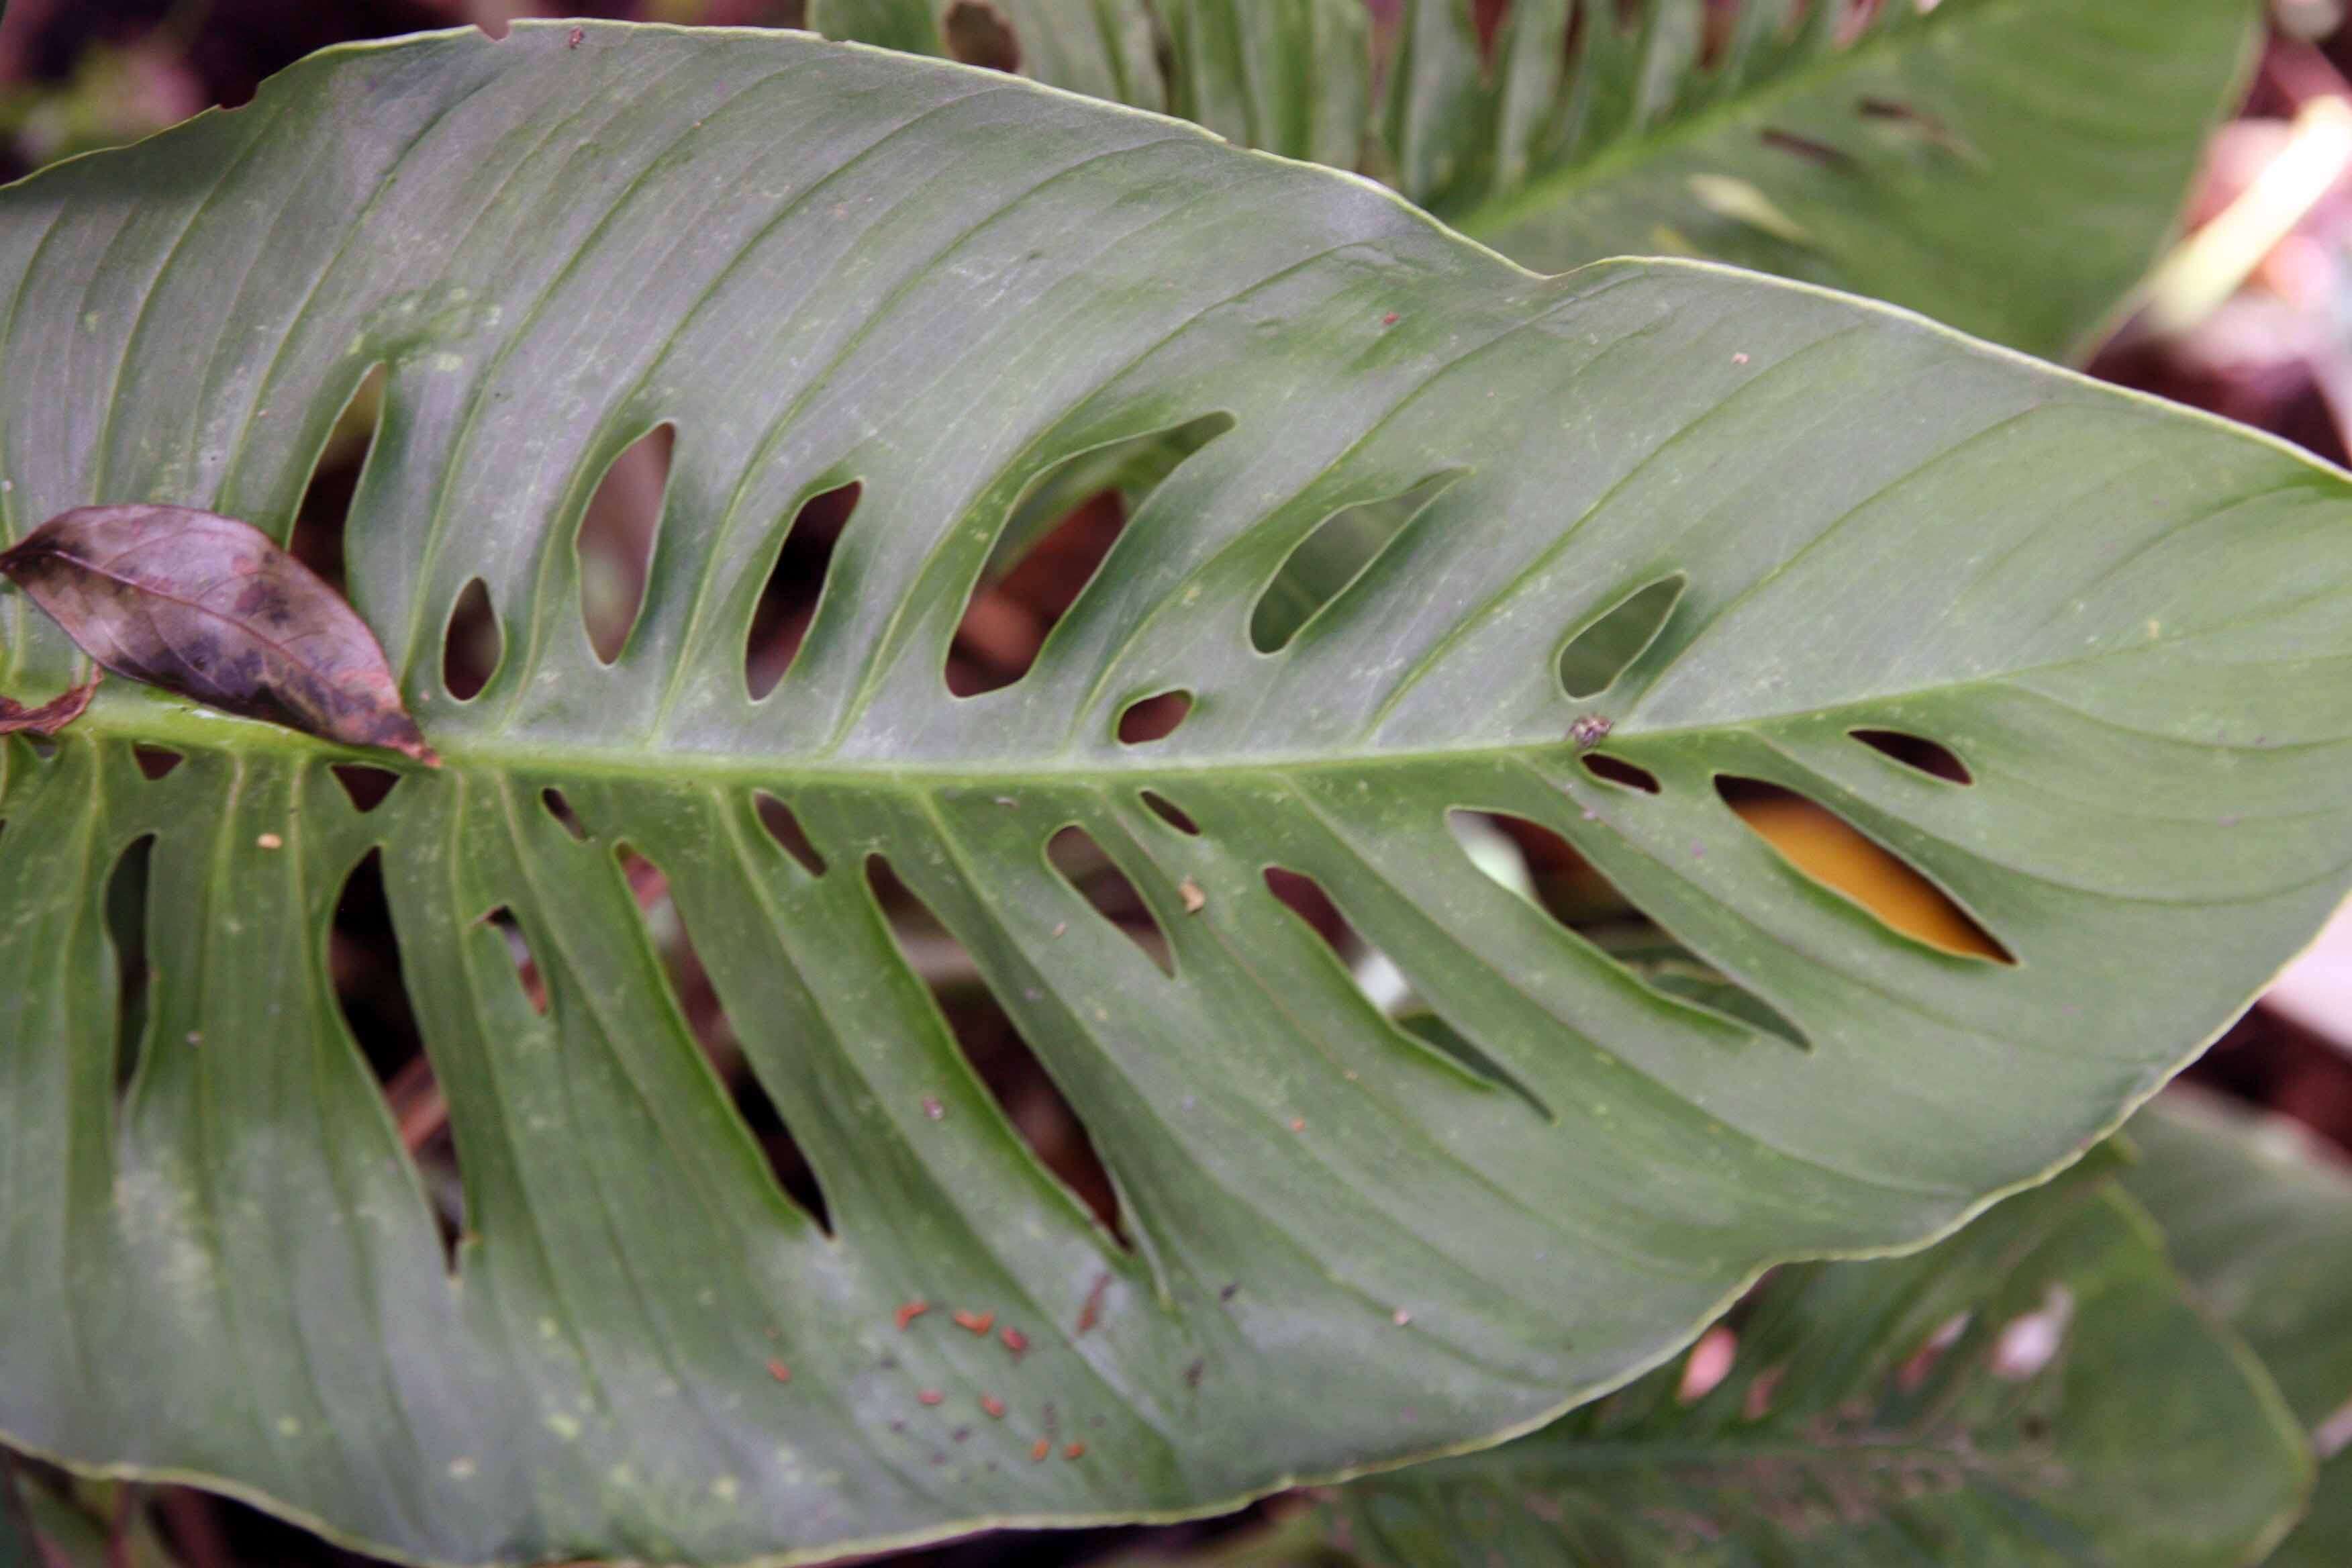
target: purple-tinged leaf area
210 608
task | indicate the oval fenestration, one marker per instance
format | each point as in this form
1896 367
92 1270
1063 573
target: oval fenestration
944 284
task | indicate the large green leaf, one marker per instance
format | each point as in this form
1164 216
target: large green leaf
2008 166
2260 1217
1352 1244
2038 1390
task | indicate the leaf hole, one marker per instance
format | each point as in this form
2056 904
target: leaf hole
1546 869
127 914
1088 869
705 1019
471 642
1619 771
1030 1101
1168 812
794 585
365 971
1608 645
1917 752
1333 555
1834 854
1153 718
155 762
322 518
977 33
553 800
527 970
1385 987
366 786
785 828
1052 547
615 544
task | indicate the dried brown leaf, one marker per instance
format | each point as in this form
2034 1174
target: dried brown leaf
209 608
51 716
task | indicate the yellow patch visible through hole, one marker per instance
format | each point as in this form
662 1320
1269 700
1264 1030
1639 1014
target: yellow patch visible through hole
1839 856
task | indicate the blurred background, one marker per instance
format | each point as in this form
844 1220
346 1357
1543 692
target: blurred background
2249 317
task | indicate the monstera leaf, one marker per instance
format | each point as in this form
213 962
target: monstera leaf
2009 168
2260 1217
1677 537
2039 1390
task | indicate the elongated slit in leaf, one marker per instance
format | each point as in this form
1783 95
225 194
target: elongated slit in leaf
1052 547
366 971
1619 771
127 913
1824 847
1602 651
1153 718
1334 555
323 517
1575 893
1168 812
1026 1096
704 1016
794 587
619 530
471 644
527 970
1088 869
785 826
1389 993
1933 758
558 805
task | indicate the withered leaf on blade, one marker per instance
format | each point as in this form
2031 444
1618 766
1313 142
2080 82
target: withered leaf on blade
51 716
208 607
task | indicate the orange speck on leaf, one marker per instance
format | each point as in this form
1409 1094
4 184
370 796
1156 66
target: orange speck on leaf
993 1406
1014 1341
930 1395
1075 1451
1037 1453
975 1322
779 1371
910 1312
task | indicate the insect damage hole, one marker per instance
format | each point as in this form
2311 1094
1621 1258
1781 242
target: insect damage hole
1834 854
471 642
1596 655
785 828
1583 901
698 1007
794 587
1052 547
1384 985
1030 1102
126 932
553 800
615 544
1933 758
1334 553
365 971
323 517
1088 869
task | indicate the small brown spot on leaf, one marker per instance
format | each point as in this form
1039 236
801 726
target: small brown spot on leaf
211 608
1091 1313
1195 901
